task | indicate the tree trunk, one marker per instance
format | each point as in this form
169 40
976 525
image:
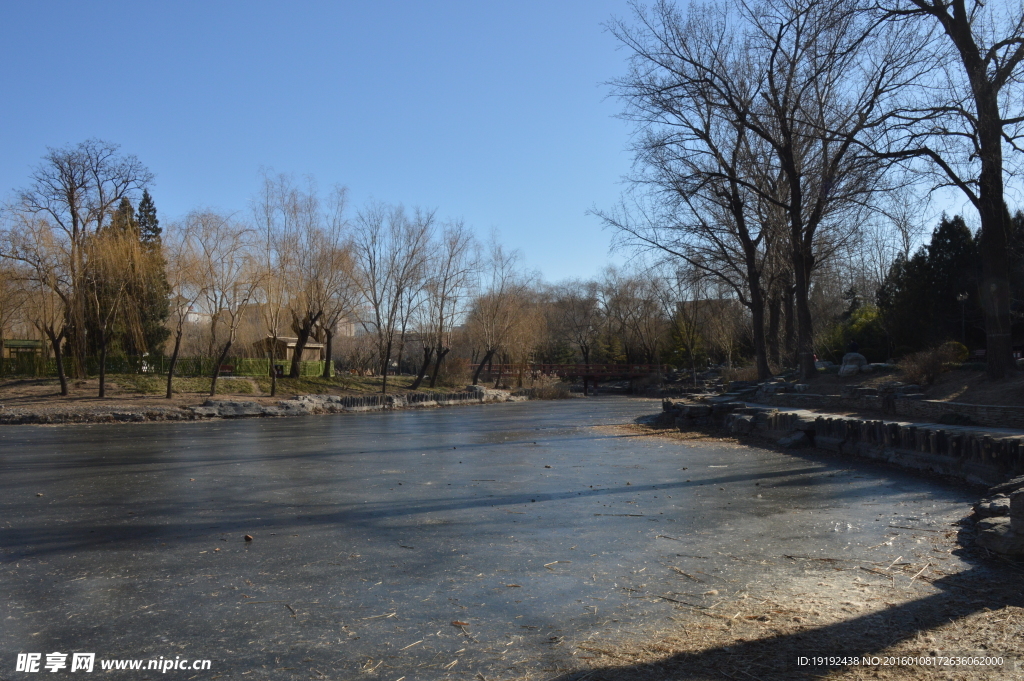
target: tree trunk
789 340
328 353
757 322
216 367
804 329
273 368
437 365
174 360
774 320
58 358
994 242
103 363
480 366
385 362
300 344
428 352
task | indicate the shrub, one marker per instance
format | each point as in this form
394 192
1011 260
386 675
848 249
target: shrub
955 352
863 326
922 367
454 372
739 374
557 391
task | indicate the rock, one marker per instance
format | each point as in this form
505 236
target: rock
228 409
998 505
849 370
742 424
992 506
854 358
1017 511
996 534
1008 487
795 441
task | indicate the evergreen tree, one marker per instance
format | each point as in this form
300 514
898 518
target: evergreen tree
955 269
904 301
148 224
154 299
922 300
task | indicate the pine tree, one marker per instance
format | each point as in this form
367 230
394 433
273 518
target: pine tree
153 299
149 225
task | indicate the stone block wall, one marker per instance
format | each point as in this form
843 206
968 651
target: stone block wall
919 410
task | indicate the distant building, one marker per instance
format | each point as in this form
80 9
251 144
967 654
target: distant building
19 349
313 352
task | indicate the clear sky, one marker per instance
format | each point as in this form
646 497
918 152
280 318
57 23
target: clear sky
491 112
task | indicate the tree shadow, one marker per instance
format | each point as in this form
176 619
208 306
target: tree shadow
990 584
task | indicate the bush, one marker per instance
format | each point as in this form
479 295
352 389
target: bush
454 372
739 374
863 326
955 352
922 367
557 391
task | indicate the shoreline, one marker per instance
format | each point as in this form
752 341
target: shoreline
228 408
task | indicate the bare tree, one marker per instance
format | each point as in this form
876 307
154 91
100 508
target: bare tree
339 285
390 252
968 111
497 312
32 241
184 277
577 318
230 271
452 276
76 189
793 89
634 304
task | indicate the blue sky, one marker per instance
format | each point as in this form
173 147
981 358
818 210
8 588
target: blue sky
491 112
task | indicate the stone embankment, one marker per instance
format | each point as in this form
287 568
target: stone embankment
301 405
987 456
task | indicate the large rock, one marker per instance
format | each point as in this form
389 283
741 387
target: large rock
997 534
852 364
994 506
742 424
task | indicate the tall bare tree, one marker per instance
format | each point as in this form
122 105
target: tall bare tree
390 250
965 116
452 276
185 280
500 310
794 89
230 271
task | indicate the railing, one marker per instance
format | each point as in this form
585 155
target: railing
185 366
